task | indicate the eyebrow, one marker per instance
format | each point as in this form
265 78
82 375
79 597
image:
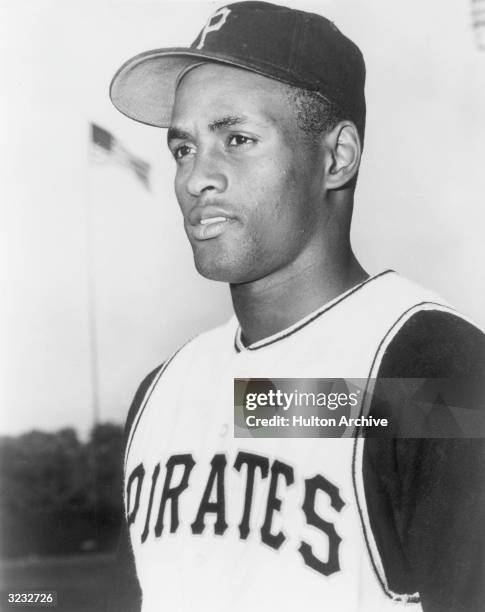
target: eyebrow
175 133
227 121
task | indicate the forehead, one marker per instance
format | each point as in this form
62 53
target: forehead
211 90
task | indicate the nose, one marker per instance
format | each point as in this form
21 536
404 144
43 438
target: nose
205 175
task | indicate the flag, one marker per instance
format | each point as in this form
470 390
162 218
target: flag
478 22
108 147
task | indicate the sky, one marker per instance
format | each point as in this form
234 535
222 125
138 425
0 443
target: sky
419 204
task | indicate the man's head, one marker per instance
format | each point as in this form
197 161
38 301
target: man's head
254 171
266 116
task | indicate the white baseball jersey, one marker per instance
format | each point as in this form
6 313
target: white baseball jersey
218 523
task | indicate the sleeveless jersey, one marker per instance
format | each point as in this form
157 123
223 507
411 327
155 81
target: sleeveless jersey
219 523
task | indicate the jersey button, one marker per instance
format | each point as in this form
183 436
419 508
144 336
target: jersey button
223 430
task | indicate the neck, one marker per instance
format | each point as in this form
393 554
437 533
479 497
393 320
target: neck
271 304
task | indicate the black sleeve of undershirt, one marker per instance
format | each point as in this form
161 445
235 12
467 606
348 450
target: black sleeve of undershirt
126 593
138 399
426 497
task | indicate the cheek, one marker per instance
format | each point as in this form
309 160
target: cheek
272 219
181 194
279 198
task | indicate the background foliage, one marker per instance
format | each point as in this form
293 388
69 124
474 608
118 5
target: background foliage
60 495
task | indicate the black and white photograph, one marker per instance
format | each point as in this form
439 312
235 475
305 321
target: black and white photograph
242 347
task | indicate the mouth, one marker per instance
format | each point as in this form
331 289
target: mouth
208 221
210 227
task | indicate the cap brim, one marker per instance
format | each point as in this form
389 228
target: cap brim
144 87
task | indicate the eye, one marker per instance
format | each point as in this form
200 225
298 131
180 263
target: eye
238 140
182 151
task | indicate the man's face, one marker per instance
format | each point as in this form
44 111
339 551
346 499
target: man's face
247 181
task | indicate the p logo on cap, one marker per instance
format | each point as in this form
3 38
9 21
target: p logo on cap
222 15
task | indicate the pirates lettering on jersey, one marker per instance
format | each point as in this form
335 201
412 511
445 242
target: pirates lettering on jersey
278 476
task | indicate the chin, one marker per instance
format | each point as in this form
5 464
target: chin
224 270
217 272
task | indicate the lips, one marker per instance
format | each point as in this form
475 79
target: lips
212 220
209 230
208 221
206 213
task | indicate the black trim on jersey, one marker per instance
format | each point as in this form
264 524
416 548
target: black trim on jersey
138 399
138 406
141 400
310 320
425 543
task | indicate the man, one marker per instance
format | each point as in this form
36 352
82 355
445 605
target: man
266 115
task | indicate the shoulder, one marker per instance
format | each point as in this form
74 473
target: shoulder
142 391
426 336
428 375
205 343
433 341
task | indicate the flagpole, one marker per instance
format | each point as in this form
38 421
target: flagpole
91 288
104 141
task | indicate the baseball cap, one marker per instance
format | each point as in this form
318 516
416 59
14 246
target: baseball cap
295 47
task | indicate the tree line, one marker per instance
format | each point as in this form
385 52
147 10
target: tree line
59 495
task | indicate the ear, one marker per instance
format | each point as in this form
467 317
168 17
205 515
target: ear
343 151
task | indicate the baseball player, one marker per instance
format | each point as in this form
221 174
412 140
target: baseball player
266 114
